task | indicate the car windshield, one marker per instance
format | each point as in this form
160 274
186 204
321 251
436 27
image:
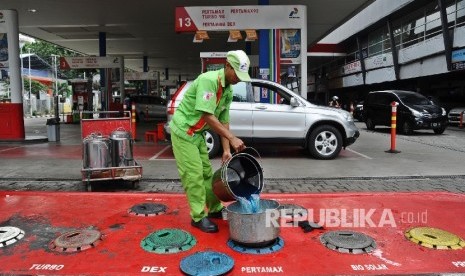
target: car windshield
414 99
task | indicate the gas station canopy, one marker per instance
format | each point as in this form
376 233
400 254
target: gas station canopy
147 28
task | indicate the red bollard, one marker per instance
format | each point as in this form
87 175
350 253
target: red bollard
393 127
461 120
160 131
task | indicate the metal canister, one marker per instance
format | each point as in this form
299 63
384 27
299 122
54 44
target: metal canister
96 152
121 148
254 229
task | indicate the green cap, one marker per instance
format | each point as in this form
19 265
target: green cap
240 63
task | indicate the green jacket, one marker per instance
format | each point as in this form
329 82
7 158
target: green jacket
207 94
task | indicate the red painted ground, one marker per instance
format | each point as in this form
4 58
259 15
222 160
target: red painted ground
45 216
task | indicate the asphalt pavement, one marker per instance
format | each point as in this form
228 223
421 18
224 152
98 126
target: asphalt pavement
426 162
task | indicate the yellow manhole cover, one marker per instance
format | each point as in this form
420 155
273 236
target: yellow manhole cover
434 238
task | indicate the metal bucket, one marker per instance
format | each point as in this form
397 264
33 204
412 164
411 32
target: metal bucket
253 229
121 148
96 152
240 176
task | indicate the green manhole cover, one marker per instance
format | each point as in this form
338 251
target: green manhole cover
167 241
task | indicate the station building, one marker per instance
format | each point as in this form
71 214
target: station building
410 45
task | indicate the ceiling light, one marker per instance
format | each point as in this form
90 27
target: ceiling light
32 10
200 36
234 35
251 35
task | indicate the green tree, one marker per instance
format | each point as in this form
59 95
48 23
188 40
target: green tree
46 50
6 83
63 89
36 86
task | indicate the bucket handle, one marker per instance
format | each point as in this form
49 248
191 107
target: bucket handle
91 136
121 129
224 168
96 134
247 148
255 151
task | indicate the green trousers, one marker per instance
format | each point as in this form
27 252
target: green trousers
196 174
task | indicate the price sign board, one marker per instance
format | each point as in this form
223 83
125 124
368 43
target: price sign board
90 62
191 19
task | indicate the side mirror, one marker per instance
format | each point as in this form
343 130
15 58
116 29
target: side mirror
294 102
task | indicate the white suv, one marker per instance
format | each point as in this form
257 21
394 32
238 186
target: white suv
454 115
323 131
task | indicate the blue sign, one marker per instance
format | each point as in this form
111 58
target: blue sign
458 55
458 59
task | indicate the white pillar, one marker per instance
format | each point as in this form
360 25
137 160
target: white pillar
10 27
303 54
30 83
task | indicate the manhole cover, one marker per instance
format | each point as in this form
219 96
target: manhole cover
348 242
207 263
148 209
294 211
168 241
10 235
271 248
77 240
434 238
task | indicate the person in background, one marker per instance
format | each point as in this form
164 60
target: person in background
335 102
206 106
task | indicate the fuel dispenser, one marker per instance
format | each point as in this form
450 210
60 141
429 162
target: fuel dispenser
212 60
82 99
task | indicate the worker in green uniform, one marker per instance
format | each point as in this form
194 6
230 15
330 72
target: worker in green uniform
206 106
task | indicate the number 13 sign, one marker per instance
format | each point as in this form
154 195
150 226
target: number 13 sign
184 22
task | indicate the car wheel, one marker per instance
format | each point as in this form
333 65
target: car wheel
213 143
439 130
370 124
407 128
325 142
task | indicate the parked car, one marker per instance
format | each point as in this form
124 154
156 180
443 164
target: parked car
149 107
414 111
358 112
454 115
322 130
